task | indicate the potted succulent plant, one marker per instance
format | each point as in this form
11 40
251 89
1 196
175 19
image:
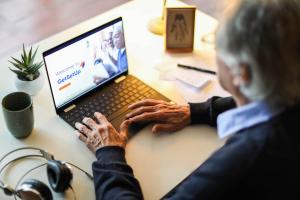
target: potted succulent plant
28 79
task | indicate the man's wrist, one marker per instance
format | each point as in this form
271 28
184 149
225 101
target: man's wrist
198 112
188 114
111 154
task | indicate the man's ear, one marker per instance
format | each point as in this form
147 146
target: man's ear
243 77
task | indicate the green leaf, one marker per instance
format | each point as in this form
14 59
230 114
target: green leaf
41 63
32 59
24 56
22 65
16 65
19 73
34 68
17 61
29 56
23 59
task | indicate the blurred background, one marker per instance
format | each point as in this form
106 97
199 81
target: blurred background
29 21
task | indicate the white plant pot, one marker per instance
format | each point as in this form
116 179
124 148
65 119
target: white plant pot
30 87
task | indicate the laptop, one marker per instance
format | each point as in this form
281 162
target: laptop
89 73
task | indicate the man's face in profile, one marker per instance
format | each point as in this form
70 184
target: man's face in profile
108 39
118 39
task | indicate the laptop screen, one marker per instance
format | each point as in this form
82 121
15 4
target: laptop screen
86 62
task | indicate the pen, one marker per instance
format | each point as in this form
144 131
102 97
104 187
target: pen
197 69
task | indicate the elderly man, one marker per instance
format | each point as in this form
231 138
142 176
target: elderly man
119 43
258 49
105 56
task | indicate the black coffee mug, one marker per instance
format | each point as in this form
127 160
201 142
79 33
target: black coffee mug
18 113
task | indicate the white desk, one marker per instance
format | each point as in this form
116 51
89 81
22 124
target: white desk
159 162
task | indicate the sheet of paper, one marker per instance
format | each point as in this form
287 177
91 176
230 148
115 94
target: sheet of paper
196 95
170 71
192 77
194 86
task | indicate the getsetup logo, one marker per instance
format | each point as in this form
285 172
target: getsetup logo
67 76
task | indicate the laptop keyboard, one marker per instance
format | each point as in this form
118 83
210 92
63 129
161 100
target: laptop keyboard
112 102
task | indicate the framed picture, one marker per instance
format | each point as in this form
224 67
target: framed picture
180 26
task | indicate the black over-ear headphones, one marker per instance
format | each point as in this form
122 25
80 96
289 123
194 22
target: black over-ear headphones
59 175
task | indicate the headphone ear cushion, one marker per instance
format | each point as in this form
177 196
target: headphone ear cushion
59 175
39 188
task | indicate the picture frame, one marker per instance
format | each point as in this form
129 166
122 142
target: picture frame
180 28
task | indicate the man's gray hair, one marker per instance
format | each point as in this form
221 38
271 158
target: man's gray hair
264 35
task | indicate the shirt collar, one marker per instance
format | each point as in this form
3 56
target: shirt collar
122 51
246 116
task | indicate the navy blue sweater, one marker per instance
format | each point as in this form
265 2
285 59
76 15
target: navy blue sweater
262 162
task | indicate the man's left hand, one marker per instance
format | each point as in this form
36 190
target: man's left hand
101 133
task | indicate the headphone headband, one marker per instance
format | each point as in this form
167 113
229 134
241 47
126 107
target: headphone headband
44 154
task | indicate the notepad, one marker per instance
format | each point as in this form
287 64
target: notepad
192 77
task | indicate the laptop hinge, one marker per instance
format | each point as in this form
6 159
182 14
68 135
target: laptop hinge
69 108
118 80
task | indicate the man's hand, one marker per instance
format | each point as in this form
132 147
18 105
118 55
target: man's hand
101 133
169 117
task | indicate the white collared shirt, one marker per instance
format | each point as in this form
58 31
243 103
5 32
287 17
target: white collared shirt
246 116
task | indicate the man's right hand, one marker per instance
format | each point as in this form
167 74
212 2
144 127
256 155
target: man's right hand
168 117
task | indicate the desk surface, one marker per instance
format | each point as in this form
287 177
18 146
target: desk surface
159 162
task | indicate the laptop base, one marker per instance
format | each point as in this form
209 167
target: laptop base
113 102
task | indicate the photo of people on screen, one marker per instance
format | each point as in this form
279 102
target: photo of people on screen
112 53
